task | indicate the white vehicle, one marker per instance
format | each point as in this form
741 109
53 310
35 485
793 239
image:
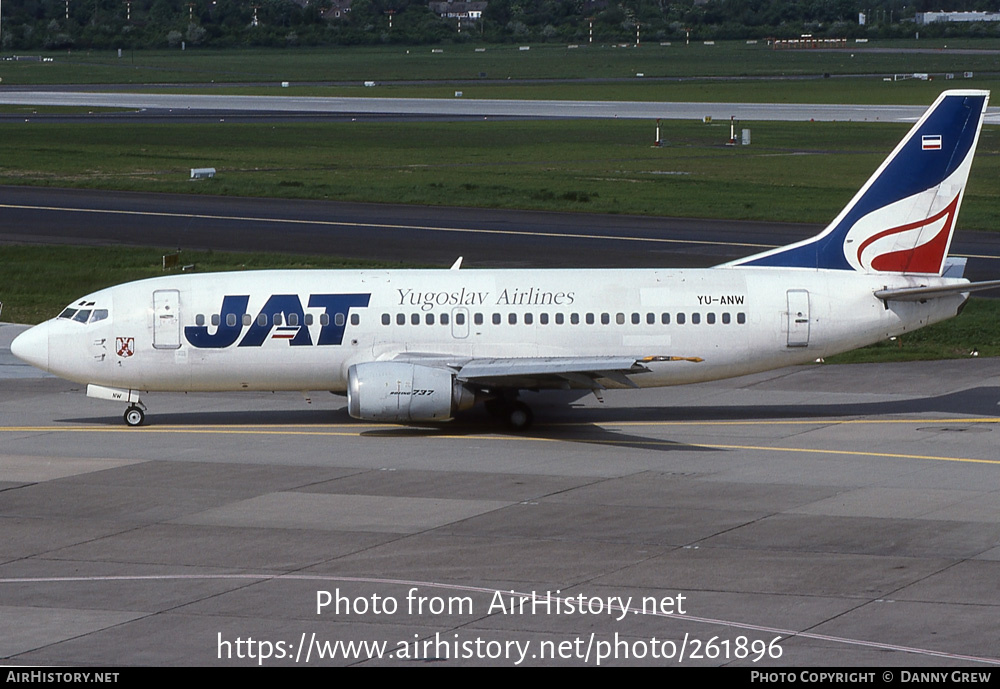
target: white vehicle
416 346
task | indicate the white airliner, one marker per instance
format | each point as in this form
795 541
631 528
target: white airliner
416 346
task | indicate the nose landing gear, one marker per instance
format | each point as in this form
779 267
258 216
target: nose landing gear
135 415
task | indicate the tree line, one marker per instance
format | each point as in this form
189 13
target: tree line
109 24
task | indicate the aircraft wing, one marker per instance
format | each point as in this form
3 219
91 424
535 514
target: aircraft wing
925 293
590 373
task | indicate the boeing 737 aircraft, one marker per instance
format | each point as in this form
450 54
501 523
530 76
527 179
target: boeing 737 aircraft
417 346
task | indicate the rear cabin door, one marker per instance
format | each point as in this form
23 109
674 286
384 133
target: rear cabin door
798 318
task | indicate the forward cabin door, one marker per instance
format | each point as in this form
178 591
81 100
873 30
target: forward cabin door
166 319
798 318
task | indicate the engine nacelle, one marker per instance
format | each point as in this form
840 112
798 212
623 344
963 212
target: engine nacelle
404 393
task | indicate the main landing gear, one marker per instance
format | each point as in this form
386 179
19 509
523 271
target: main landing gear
516 414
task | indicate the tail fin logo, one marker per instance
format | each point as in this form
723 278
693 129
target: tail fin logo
926 241
931 142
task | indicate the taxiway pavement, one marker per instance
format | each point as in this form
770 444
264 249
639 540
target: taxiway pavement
820 515
424 235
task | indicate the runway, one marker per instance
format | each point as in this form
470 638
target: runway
156 105
804 517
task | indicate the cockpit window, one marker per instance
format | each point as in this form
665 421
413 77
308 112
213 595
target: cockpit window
84 315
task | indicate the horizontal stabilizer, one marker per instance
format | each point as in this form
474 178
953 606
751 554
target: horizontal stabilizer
925 293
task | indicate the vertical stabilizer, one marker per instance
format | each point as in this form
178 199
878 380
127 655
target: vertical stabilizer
903 218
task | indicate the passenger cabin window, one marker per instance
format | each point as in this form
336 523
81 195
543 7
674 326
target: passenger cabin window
355 319
386 319
231 319
247 319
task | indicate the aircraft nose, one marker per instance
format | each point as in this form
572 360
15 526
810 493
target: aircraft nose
32 346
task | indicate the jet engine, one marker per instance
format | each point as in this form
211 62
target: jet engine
404 393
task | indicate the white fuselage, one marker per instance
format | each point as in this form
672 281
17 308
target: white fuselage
219 331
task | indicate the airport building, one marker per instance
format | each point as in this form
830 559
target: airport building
931 17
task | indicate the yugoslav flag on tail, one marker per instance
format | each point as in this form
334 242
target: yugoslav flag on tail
903 218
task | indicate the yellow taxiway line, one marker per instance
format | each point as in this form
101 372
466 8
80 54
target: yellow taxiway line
359 430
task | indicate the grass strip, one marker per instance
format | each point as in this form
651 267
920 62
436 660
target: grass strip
796 172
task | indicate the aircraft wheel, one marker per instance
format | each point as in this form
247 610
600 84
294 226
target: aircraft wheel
134 416
497 408
520 418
